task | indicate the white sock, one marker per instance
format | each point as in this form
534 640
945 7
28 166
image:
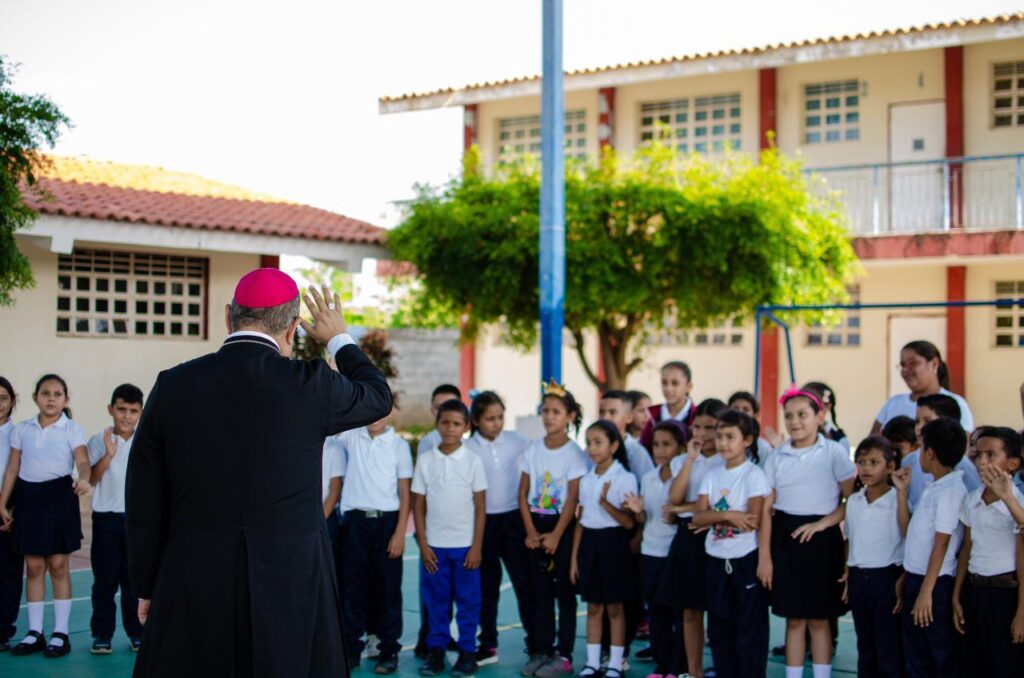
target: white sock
594 655
615 659
822 670
35 617
62 610
794 672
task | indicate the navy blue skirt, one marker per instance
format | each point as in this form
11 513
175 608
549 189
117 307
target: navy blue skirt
47 518
682 581
806 576
606 570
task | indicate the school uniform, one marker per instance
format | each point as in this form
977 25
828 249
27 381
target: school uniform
370 503
660 413
109 550
428 442
449 483
764 450
603 559
902 404
989 594
684 588
806 483
333 465
665 627
874 565
640 460
836 434
48 515
12 563
920 480
504 534
550 472
737 603
932 650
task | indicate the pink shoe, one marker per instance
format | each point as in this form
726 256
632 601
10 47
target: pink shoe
657 675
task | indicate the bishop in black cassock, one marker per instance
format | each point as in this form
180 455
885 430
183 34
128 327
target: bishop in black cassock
226 534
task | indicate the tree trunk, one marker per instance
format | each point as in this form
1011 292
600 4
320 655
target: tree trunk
613 346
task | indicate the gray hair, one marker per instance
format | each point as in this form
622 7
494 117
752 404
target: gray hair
273 320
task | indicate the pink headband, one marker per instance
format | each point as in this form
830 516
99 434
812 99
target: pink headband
794 392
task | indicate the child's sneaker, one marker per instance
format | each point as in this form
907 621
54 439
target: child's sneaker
434 664
486 655
100 646
135 643
656 675
372 650
465 665
534 663
558 667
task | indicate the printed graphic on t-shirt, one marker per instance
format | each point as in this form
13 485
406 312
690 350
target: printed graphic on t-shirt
722 530
549 497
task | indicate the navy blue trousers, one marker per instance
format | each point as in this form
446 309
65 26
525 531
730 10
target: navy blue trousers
872 595
934 649
372 580
551 587
451 583
667 650
737 617
504 542
109 555
988 650
12 567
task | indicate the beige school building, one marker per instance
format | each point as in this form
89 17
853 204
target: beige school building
921 129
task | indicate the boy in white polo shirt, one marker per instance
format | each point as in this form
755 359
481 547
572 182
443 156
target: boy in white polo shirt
447 488
375 500
933 539
108 455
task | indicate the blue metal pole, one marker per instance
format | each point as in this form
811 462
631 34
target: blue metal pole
552 196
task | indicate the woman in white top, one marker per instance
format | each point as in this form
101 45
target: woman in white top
11 562
924 373
46 518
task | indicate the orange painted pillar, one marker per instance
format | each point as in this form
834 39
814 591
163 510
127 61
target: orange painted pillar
768 389
467 350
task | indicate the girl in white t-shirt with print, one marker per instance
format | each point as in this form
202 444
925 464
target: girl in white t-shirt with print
730 504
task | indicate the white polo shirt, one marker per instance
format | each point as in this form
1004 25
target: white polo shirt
47 453
873 530
920 480
595 517
500 458
550 473
938 511
683 413
701 467
449 481
730 489
374 467
806 480
993 534
108 494
901 404
658 534
334 464
5 444
428 442
640 461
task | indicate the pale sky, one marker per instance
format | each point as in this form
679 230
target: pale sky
281 97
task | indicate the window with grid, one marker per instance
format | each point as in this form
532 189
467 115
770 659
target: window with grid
845 333
1008 94
723 334
700 124
832 112
519 136
126 294
1009 319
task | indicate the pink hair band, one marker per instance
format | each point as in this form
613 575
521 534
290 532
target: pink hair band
794 392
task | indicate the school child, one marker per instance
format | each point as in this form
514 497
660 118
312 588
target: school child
441 394
46 519
448 487
659 528
108 454
676 383
550 473
929 408
729 503
684 589
332 475
375 502
601 567
877 517
987 604
11 562
801 545
929 559
617 407
901 432
500 452
747 403
641 404
828 400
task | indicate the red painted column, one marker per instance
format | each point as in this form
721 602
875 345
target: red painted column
270 261
605 139
467 350
953 61
956 328
768 389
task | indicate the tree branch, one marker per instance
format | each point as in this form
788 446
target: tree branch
581 353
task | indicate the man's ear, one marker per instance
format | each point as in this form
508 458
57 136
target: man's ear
289 335
227 317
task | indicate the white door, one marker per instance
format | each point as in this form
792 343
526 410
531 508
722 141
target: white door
917 131
904 329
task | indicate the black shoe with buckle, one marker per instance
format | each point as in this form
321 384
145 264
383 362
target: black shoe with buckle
53 651
434 664
38 644
386 664
465 665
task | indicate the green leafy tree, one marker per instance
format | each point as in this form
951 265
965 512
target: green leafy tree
27 123
657 242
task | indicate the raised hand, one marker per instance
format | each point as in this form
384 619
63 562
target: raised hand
328 319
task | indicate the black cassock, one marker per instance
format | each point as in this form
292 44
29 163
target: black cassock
225 523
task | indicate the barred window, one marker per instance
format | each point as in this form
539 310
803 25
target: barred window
1009 319
831 112
104 293
846 333
726 333
519 136
701 124
1008 94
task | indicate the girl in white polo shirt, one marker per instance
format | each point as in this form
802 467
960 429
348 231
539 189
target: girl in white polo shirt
729 503
46 519
876 521
601 567
11 562
802 554
987 605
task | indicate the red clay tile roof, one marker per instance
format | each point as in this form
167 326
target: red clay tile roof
89 189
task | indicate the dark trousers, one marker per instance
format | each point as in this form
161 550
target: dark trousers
737 617
551 587
12 566
932 650
452 583
504 542
872 595
109 555
666 631
988 650
372 580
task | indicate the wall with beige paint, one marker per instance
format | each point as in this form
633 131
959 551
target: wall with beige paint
980 138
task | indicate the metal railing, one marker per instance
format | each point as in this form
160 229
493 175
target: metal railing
978 192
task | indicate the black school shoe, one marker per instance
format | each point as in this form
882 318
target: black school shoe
53 651
101 646
135 643
386 664
465 666
37 645
434 664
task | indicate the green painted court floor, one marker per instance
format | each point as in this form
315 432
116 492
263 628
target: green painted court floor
81 664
